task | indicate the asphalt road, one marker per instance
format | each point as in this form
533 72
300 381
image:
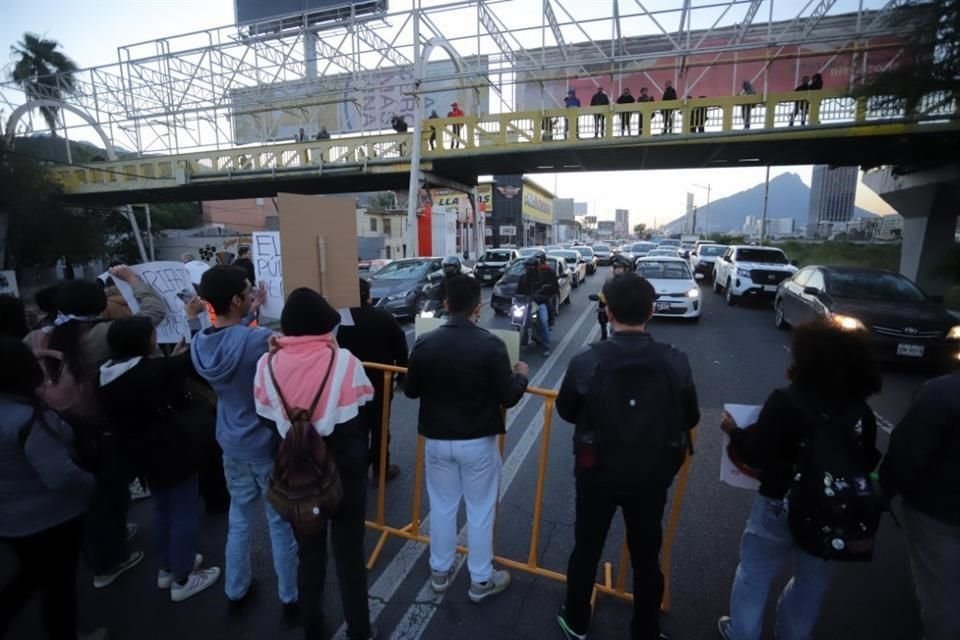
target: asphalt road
737 356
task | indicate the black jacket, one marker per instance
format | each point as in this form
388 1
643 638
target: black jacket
599 100
161 428
923 459
772 444
375 336
670 94
247 265
625 99
541 287
461 374
572 400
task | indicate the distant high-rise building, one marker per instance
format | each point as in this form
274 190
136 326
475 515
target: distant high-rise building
832 195
622 222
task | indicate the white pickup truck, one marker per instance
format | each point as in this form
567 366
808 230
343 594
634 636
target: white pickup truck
750 271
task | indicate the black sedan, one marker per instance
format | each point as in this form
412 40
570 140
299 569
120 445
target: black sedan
902 322
398 287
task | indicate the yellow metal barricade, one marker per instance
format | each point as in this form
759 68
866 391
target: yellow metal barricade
411 531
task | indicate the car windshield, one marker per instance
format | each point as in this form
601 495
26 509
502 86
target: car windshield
712 250
529 251
643 246
866 285
569 256
601 247
402 270
664 270
586 252
771 256
515 269
497 256
669 243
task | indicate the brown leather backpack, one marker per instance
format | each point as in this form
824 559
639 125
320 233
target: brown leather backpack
304 486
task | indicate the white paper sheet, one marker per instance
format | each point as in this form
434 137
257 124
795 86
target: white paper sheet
744 415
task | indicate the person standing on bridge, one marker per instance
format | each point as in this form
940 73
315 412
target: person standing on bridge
921 465
643 97
461 373
572 102
633 402
625 98
433 130
831 376
800 107
669 93
599 99
746 109
456 112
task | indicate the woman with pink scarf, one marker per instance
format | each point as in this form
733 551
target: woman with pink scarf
303 355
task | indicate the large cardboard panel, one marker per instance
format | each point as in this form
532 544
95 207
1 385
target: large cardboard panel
315 226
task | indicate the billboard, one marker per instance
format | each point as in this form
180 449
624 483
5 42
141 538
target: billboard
606 228
345 103
537 204
457 202
271 15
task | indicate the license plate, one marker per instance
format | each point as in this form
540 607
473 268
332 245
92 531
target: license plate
487 276
910 350
662 306
770 288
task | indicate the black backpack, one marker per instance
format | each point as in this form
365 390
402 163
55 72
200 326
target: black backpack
634 441
834 504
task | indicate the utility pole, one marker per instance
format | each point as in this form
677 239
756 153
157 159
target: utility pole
763 220
415 143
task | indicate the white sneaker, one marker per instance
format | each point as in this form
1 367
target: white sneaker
165 578
497 583
440 580
105 580
197 582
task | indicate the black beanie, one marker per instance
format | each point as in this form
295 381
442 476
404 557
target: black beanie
307 313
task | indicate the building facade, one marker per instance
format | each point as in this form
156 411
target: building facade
622 219
522 213
244 215
832 194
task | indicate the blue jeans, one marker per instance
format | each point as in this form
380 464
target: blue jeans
766 545
247 483
175 513
544 319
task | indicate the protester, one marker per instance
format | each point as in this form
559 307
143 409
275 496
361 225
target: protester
461 373
433 130
398 123
13 317
572 102
643 97
800 107
455 112
117 306
226 356
698 117
301 136
323 134
816 82
669 93
625 98
76 349
539 281
599 99
633 402
831 376
244 262
146 397
43 496
46 301
746 109
375 336
921 465
308 364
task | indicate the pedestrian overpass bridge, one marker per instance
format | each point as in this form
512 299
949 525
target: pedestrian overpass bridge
840 129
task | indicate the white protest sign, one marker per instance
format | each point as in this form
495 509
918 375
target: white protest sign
510 338
168 279
269 270
8 284
744 415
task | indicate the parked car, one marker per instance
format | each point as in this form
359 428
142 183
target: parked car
902 322
493 264
589 256
575 262
704 257
751 271
603 252
505 289
678 294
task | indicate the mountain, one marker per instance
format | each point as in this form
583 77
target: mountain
789 198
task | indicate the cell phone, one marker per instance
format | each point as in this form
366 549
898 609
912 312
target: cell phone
185 295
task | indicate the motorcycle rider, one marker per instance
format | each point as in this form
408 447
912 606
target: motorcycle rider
451 266
620 265
539 281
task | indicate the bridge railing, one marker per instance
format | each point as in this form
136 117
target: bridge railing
496 133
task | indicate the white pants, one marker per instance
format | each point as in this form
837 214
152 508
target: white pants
468 469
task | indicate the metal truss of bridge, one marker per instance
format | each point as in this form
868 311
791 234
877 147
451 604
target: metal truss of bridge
233 86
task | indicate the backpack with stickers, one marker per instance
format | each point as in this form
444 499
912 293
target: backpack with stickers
636 441
834 502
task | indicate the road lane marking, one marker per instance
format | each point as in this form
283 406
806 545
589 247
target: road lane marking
396 573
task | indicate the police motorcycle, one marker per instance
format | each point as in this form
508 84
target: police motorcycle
434 293
620 265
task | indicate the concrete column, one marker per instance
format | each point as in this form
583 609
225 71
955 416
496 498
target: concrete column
929 202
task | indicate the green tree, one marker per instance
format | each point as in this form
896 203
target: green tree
930 63
639 229
43 72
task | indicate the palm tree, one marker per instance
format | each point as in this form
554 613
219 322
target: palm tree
43 72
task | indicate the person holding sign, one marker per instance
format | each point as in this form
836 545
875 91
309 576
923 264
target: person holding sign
226 356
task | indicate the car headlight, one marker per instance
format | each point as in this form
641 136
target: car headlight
954 333
847 323
743 273
694 293
398 296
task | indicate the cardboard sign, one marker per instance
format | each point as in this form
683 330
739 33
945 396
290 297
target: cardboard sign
8 284
744 415
168 279
510 338
268 264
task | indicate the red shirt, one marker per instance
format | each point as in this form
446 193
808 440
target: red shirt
456 112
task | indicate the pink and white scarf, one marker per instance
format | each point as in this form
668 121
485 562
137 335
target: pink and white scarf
300 365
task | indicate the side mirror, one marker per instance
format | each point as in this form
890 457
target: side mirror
811 291
727 259
795 263
698 276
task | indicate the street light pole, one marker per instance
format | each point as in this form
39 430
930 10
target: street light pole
706 213
763 220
